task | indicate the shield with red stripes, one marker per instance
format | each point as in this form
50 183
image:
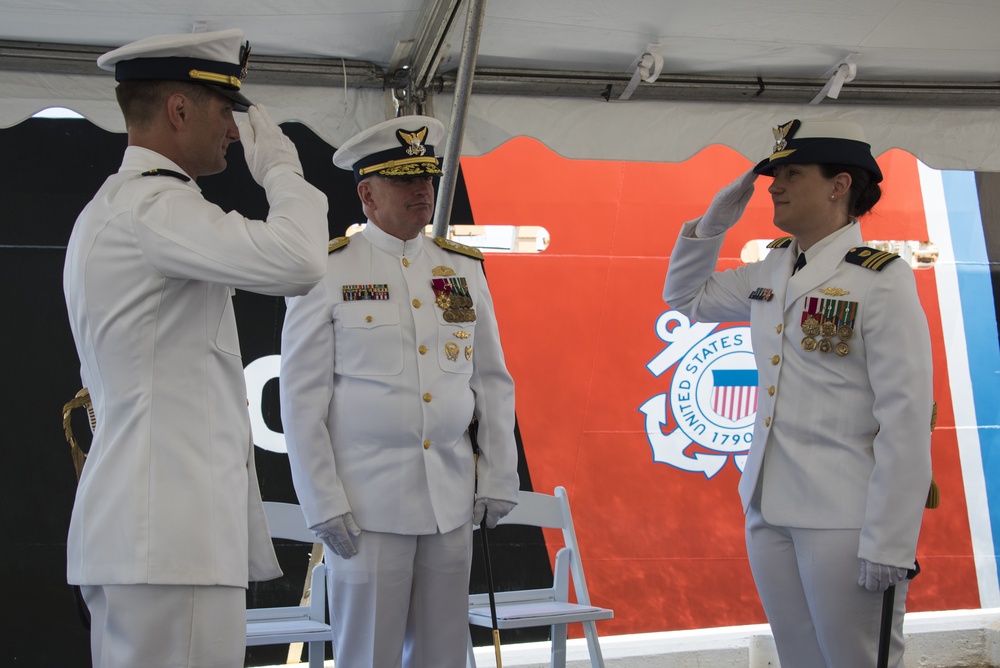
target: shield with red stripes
734 393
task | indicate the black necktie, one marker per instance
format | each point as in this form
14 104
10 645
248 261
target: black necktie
800 262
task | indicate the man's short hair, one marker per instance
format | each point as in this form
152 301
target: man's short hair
141 99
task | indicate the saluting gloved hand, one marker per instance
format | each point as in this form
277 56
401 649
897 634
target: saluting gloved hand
879 577
266 146
492 509
338 534
726 207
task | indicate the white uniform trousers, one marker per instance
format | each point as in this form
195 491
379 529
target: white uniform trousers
402 601
166 626
808 583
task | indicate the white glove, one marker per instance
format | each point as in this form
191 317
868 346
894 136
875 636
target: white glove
879 577
338 534
492 509
726 207
266 146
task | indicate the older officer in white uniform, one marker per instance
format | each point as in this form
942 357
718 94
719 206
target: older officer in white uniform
384 365
839 469
168 525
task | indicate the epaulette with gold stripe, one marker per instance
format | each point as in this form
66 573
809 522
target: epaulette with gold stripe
456 247
783 242
337 244
870 258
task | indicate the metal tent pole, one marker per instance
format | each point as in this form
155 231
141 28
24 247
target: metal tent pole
459 110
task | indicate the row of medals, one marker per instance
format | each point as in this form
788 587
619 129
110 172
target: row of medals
457 308
812 328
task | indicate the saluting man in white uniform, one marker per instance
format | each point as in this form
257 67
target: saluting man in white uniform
168 524
384 365
839 469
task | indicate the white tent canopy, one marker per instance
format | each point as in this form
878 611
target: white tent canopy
918 75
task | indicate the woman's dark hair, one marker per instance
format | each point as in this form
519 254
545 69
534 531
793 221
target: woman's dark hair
864 194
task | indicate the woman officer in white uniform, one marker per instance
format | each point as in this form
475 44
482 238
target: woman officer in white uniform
839 468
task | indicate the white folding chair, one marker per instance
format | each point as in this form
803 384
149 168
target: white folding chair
549 606
293 624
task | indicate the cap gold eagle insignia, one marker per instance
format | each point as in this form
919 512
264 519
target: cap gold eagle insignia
783 133
413 141
244 59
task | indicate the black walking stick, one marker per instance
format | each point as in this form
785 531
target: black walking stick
885 630
489 586
473 437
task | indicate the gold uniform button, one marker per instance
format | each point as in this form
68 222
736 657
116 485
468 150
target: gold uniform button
422 349
775 359
767 422
779 329
427 445
406 263
416 303
427 397
368 318
770 391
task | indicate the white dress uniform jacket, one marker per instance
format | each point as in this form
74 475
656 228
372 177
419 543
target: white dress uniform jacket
169 493
840 441
378 389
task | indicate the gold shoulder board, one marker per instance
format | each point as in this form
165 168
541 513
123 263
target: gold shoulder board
337 244
455 247
870 258
783 242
